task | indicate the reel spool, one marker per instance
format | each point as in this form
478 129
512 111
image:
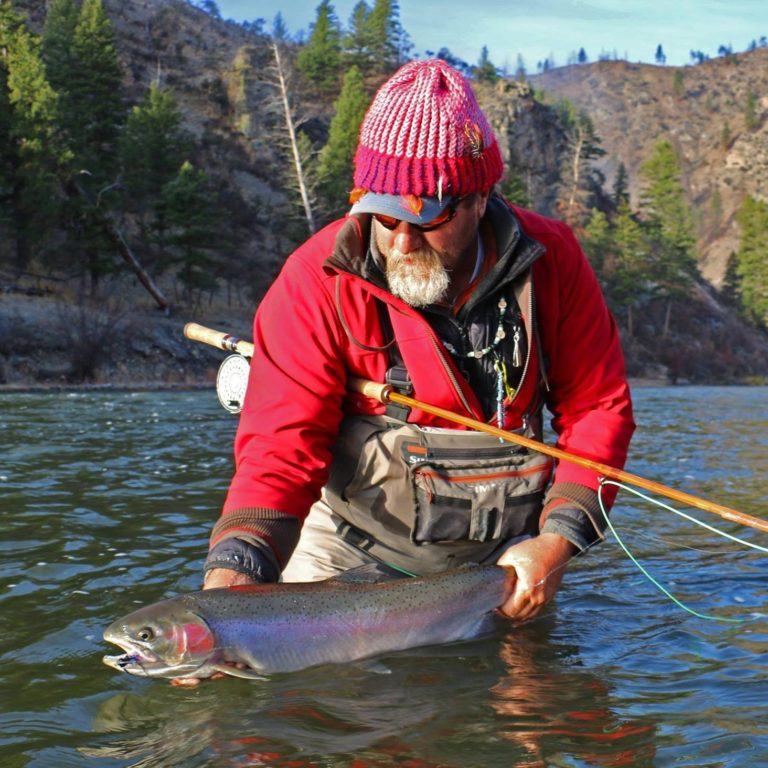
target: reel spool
232 381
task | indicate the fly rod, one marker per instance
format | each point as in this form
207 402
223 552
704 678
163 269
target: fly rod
384 393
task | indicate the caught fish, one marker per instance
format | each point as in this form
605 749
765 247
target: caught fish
270 628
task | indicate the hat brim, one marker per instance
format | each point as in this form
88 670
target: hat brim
397 207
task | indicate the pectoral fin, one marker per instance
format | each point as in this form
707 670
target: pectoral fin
248 674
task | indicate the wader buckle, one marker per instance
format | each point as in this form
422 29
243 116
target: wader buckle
397 377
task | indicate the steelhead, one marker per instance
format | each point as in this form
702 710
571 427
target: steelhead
284 627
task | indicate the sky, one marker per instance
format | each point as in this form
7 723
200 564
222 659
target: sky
548 29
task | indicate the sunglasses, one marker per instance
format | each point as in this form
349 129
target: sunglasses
448 213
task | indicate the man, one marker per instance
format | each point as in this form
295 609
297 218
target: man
438 286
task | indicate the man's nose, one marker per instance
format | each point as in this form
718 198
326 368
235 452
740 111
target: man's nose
408 238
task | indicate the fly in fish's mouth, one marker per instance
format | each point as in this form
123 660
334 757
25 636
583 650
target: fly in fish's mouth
122 662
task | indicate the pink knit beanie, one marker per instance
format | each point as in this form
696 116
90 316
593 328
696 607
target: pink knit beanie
424 134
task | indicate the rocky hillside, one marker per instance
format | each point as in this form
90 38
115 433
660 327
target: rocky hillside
703 110
220 76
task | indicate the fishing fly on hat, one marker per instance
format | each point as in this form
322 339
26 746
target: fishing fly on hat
423 142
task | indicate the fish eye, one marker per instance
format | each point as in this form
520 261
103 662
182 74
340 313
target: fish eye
145 634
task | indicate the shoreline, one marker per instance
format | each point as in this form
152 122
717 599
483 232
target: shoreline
180 386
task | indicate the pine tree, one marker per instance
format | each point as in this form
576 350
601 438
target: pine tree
29 152
357 42
152 147
621 186
334 168
731 288
598 241
93 95
81 58
388 40
630 279
752 259
485 71
193 234
320 59
58 34
669 222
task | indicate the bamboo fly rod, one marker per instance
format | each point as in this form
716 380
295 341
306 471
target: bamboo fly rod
383 393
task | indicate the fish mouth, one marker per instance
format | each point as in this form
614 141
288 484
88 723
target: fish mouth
132 661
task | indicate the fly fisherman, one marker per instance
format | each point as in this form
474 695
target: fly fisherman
436 285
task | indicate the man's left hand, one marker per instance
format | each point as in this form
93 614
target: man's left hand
539 565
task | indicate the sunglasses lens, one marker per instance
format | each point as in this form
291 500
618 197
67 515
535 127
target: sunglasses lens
389 222
440 219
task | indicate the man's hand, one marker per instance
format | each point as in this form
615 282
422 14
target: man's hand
225 577
539 564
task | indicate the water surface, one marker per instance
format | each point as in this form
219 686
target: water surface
106 502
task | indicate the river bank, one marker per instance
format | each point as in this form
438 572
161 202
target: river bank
50 341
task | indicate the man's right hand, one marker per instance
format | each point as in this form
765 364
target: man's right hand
225 577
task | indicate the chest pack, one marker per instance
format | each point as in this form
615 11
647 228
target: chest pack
424 499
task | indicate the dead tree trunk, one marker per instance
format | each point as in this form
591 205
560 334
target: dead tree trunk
291 128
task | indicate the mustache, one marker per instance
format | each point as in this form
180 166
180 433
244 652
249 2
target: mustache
417 277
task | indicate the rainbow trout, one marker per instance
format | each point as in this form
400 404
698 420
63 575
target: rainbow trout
285 627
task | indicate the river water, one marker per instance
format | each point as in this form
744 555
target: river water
106 501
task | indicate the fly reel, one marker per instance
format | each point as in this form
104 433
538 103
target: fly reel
232 381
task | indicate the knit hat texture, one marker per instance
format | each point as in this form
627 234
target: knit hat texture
424 134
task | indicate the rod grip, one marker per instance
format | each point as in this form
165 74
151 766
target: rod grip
218 339
372 389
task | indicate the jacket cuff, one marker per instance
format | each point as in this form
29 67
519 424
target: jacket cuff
268 529
244 557
573 511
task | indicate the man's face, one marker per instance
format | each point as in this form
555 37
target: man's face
428 267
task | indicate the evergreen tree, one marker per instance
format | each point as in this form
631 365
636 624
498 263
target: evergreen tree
279 29
320 59
357 43
520 73
669 222
751 118
513 188
731 289
630 283
93 94
598 241
334 167
621 186
153 146
752 259
389 41
29 152
81 58
58 34
485 71
193 233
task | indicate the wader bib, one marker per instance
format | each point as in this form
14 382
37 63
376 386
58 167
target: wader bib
426 499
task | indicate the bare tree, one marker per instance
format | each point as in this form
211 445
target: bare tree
292 125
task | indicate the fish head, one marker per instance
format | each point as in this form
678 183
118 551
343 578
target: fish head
161 640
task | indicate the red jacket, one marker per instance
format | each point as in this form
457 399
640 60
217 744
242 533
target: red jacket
318 325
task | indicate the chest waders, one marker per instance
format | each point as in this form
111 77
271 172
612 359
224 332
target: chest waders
426 499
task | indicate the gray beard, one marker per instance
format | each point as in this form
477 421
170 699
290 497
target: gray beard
418 278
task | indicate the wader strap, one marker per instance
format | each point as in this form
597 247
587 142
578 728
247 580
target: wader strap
397 374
